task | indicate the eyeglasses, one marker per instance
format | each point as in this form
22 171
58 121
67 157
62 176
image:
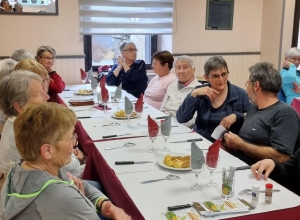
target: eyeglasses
131 50
217 76
294 59
247 83
74 139
48 58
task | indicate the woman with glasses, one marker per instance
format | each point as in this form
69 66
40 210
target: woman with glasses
128 70
217 103
290 75
37 187
46 56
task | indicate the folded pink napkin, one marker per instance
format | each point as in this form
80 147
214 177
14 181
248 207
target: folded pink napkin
139 104
104 94
152 127
102 81
213 150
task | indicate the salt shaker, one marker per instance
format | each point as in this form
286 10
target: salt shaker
268 194
255 194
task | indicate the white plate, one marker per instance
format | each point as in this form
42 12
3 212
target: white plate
115 117
160 162
84 94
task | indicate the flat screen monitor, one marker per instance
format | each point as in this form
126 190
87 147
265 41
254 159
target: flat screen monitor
219 14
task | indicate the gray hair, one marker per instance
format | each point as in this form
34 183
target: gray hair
267 76
6 67
214 63
294 51
43 49
125 43
14 88
21 54
184 58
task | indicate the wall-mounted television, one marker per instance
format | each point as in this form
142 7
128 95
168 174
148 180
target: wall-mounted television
219 14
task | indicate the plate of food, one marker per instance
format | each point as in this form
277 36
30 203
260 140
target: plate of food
121 115
175 161
85 92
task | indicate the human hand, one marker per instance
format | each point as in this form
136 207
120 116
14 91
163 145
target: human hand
208 91
228 121
120 60
111 211
79 155
296 87
286 64
233 141
266 165
77 182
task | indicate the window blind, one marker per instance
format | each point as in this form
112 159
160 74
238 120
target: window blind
125 17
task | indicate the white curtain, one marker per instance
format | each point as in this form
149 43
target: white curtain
125 17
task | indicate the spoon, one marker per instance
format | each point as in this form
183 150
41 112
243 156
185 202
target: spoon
169 177
112 124
128 144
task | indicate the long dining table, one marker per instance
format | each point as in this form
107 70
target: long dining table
150 201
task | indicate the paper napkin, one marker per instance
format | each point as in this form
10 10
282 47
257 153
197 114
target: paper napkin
152 127
118 92
128 106
197 157
139 103
166 126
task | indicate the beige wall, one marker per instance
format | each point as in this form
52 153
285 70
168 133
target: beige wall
190 36
30 32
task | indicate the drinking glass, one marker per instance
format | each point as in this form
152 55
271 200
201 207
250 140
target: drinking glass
196 167
211 164
83 79
152 134
105 98
118 98
128 114
139 111
166 137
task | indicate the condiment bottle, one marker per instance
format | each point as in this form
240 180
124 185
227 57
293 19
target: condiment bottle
255 194
268 194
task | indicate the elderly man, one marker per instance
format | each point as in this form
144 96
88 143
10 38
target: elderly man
217 102
271 128
177 91
17 90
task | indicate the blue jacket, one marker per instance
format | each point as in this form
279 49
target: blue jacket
134 81
238 103
288 77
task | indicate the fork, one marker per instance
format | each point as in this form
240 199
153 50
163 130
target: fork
250 190
78 110
112 124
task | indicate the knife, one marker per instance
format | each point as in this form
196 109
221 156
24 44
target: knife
236 168
176 207
162 117
188 140
116 135
83 117
131 162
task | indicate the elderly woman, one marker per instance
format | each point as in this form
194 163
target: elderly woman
177 91
45 139
46 55
21 54
32 65
217 103
35 67
18 7
6 67
162 64
290 75
17 90
129 71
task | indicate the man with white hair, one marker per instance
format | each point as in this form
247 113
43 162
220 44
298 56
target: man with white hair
290 75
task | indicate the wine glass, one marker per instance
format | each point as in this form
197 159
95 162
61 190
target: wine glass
196 167
139 110
166 136
152 134
118 98
211 164
128 113
105 98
